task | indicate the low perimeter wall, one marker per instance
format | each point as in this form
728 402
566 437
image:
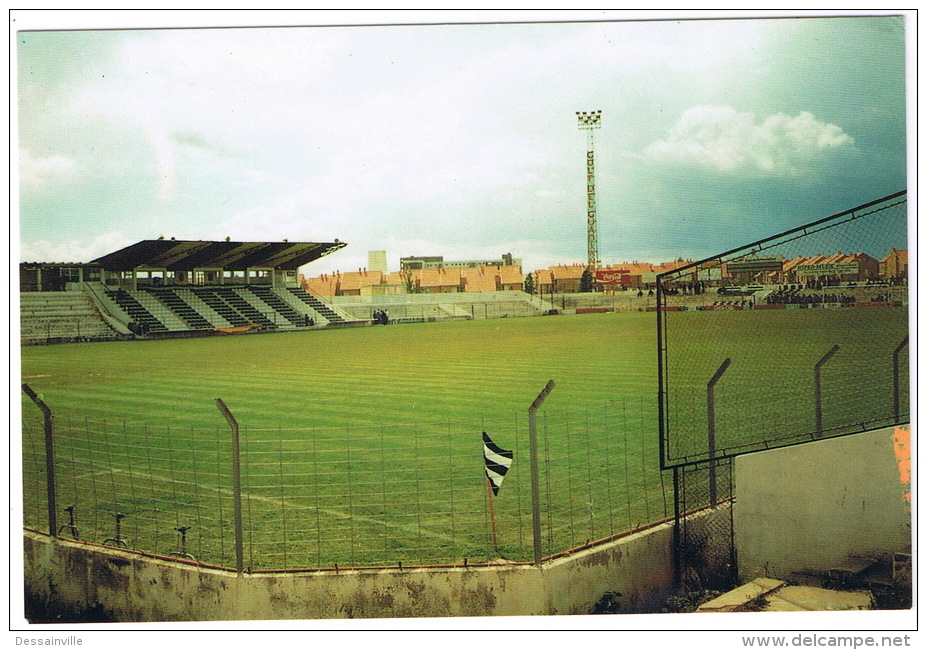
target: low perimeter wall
811 507
69 581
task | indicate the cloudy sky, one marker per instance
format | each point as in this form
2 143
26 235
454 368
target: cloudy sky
454 139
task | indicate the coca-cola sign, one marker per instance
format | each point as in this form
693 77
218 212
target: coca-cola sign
613 276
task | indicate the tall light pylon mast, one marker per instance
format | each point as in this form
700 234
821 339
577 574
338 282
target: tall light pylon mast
588 122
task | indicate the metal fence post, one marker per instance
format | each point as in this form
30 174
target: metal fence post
236 487
896 379
535 479
49 461
818 410
677 532
712 478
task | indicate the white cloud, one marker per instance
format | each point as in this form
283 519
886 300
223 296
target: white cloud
723 139
74 250
38 174
412 139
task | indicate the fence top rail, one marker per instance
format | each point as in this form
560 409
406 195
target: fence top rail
760 244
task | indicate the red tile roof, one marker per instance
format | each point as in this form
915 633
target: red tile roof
323 285
571 272
901 255
511 275
356 280
440 278
480 279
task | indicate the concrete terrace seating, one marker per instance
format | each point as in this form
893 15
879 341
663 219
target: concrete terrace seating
204 308
137 312
317 305
236 301
444 306
221 307
180 307
101 312
61 316
274 301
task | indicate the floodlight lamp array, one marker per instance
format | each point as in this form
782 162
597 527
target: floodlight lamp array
590 120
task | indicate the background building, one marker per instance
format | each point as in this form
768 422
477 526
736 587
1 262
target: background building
438 262
894 265
376 261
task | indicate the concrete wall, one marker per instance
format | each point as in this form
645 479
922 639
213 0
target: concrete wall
639 567
811 506
86 582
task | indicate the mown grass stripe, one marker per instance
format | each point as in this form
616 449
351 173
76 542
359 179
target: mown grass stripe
331 421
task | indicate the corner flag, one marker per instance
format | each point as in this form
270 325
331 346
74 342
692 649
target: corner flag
498 461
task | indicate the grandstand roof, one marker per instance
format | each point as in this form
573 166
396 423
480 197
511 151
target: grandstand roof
177 255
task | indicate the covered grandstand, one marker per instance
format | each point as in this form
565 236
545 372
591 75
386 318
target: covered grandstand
175 288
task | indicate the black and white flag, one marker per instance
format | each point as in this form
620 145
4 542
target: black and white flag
498 461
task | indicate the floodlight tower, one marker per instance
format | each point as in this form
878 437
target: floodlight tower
588 122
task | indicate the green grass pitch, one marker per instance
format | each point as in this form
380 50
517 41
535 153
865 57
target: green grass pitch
767 392
361 447
378 429
381 375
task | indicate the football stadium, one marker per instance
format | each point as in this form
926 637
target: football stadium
193 403
316 322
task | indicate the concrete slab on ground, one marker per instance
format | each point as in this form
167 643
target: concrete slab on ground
770 595
741 596
816 599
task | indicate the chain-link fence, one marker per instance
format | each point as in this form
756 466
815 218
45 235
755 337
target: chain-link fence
794 338
706 557
407 495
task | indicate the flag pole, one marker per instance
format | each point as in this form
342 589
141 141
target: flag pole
492 514
497 461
